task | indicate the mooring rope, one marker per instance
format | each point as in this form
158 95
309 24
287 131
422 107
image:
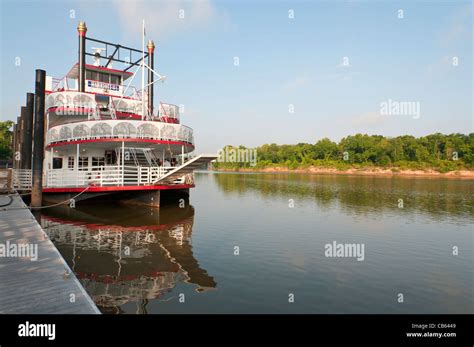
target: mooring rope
61 203
42 207
17 194
8 203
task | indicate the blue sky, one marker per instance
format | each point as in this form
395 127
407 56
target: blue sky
283 62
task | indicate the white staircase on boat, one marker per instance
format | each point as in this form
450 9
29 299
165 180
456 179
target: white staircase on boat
138 157
187 167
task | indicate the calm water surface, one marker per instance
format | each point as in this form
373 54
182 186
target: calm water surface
139 260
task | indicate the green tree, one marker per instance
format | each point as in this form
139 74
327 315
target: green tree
443 152
6 135
326 149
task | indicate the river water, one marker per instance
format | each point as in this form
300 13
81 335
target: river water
257 243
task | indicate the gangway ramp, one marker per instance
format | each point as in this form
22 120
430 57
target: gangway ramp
187 167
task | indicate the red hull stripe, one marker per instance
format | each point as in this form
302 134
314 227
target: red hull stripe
93 189
64 143
112 227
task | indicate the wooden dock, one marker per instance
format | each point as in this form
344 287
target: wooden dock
6 180
42 286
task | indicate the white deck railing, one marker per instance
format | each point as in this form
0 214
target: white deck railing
101 176
106 176
22 179
110 129
69 100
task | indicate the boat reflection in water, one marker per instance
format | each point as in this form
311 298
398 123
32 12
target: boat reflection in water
124 255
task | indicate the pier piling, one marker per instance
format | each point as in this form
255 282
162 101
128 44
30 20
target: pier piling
38 149
14 146
28 131
17 157
23 138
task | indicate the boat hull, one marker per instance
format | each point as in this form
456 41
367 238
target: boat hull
150 196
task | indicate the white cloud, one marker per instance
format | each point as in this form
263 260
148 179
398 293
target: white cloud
369 119
165 18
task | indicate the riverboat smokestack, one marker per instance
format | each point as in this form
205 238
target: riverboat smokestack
28 139
38 149
151 60
82 30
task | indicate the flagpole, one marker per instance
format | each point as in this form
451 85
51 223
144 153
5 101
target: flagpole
143 69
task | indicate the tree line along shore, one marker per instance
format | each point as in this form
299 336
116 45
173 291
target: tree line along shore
435 154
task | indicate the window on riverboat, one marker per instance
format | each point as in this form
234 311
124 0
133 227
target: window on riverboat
92 75
97 161
57 163
110 157
70 163
114 79
104 77
83 163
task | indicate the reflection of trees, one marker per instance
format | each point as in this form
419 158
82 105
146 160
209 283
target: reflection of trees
360 194
122 254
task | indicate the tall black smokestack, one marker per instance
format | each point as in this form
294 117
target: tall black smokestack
82 30
151 61
38 149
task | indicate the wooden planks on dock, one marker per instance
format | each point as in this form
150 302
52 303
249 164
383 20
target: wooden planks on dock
44 286
6 180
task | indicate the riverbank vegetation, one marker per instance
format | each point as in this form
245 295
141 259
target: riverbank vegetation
436 152
5 140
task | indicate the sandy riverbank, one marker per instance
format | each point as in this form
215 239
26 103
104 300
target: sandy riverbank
466 174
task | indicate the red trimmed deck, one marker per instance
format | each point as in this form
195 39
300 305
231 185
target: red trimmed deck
120 115
93 189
